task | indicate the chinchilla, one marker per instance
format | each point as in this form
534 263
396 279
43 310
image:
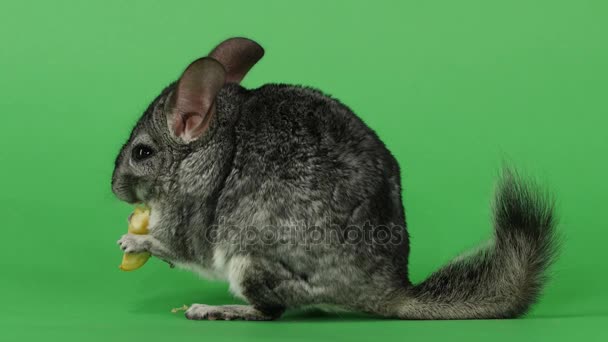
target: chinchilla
287 195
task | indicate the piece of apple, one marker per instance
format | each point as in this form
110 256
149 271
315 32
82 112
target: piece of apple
133 261
138 221
138 224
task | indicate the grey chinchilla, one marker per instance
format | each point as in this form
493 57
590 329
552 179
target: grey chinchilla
286 194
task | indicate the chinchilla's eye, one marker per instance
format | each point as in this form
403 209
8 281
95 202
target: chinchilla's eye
141 152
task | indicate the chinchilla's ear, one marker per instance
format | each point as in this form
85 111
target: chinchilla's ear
197 88
194 99
238 56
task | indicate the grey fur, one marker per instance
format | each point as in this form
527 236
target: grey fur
294 162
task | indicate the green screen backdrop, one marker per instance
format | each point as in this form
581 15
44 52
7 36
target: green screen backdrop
452 87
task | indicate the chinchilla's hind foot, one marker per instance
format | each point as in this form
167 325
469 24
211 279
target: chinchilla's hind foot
230 312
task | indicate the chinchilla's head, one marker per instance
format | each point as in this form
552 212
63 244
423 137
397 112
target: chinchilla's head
179 122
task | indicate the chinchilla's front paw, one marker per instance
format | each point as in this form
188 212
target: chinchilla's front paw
134 243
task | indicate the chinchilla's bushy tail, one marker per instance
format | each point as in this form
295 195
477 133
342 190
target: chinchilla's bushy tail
502 279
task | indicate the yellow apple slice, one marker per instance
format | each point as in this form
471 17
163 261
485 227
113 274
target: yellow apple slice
133 261
138 224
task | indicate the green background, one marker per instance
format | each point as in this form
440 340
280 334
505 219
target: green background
452 87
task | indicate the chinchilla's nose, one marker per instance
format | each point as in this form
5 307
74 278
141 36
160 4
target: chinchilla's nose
123 186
